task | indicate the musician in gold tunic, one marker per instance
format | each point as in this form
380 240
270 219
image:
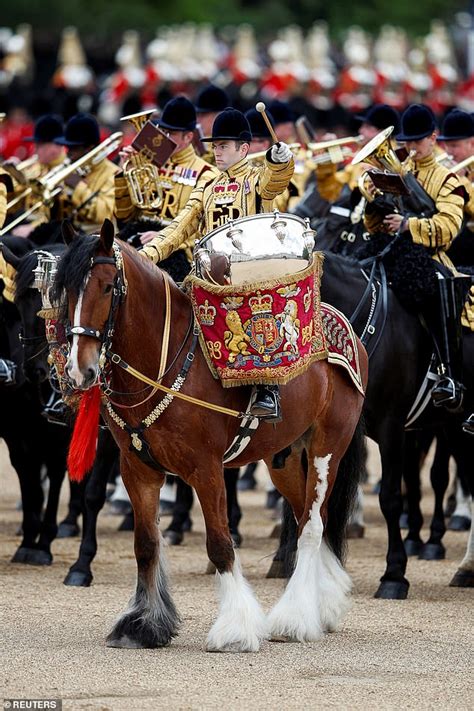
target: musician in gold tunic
330 180
436 233
457 138
237 191
47 129
181 174
88 198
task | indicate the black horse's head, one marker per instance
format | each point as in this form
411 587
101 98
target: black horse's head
32 337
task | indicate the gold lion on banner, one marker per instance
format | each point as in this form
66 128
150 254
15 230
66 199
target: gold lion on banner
235 338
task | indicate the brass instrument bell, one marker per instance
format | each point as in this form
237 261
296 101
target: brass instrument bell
141 174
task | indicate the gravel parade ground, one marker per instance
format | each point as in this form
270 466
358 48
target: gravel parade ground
413 654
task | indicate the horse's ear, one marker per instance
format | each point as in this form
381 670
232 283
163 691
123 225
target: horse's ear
68 232
9 257
107 235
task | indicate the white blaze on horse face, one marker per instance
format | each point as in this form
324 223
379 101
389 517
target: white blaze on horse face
73 369
315 598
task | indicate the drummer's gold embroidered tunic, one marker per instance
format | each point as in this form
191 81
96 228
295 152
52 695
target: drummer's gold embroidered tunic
239 191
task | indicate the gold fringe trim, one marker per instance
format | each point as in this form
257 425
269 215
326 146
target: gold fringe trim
315 266
272 378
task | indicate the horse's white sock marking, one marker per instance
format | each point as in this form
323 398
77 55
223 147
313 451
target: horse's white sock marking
241 624
315 598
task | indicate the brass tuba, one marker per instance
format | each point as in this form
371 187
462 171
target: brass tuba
379 153
141 174
410 196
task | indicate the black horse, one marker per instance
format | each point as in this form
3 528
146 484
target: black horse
33 442
398 366
88 497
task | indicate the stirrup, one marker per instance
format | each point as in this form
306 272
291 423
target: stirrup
266 413
447 393
468 425
58 413
267 406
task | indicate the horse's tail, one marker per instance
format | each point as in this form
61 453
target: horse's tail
344 492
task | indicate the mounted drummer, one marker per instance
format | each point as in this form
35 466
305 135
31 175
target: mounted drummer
238 191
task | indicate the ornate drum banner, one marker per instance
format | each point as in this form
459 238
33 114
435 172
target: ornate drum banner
265 332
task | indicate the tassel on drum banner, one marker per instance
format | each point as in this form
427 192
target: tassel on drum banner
83 446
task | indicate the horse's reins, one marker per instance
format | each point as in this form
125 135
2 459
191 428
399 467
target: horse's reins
377 305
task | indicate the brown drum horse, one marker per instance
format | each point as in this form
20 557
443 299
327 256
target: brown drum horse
112 295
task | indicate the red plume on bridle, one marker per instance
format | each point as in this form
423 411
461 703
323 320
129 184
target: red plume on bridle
83 446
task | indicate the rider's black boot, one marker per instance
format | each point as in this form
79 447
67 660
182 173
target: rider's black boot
447 334
267 403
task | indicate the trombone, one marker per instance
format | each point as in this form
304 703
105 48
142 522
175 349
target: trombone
327 145
49 186
261 154
332 151
34 184
142 175
466 163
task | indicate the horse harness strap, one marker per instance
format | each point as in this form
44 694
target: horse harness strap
139 445
379 303
117 360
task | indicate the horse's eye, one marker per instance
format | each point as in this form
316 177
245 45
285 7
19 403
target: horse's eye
108 289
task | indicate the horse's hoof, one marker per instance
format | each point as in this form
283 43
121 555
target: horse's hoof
187 525
39 557
211 568
459 523
78 579
432 551
463 579
246 485
119 507
127 523
412 547
21 555
276 531
173 538
125 642
277 570
355 530
392 590
376 488
404 521
237 538
273 497
68 530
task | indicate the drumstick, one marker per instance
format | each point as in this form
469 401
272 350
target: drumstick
261 109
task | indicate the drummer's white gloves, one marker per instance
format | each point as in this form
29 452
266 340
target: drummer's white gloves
280 153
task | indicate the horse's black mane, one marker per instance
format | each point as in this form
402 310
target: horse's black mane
24 274
74 266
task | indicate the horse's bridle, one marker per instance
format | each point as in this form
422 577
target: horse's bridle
119 291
